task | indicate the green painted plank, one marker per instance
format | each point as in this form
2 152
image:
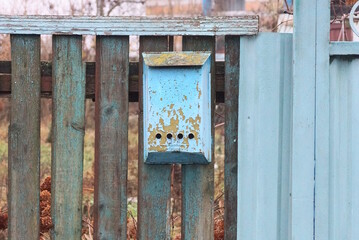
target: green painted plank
24 138
198 180
232 46
68 126
154 181
111 139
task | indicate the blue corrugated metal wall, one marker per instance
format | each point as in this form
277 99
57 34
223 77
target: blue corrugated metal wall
298 162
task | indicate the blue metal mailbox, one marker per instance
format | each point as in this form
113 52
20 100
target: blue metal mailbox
177 107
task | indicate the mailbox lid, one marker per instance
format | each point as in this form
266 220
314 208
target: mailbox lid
176 59
177 100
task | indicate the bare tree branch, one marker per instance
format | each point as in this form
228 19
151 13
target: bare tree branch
117 3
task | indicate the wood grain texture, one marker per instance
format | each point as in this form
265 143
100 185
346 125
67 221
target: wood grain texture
198 180
46 80
154 181
232 48
68 126
24 139
142 26
111 140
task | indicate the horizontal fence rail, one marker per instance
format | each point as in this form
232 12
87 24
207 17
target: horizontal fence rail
142 26
46 80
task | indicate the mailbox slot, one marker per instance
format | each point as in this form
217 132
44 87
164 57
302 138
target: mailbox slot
177 108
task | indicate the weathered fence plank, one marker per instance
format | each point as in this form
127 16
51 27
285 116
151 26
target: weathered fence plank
198 180
232 45
111 141
303 126
264 137
67 137
46 81
142 26
24 139
154 181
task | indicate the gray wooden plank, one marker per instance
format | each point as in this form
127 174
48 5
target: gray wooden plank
24 139
111 139
198 180
68 128
154 181
232 49
142 26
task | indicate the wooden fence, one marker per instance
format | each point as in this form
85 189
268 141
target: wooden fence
113 82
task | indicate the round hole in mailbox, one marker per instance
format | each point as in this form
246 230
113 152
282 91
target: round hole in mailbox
190 136
180 136
158 136
169 136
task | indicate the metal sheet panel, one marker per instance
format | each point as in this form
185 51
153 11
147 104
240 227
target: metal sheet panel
344 149
264 136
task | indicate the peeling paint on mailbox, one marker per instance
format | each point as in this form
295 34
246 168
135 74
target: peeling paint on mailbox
177 107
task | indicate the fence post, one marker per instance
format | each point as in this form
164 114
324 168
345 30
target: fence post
310 71
232 63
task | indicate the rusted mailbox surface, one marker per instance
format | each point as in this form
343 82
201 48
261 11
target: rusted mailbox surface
177 107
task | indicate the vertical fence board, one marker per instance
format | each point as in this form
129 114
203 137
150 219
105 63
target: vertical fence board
303 127
154 181
68 136
232 45
24 138
112 69
198 180
264 137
